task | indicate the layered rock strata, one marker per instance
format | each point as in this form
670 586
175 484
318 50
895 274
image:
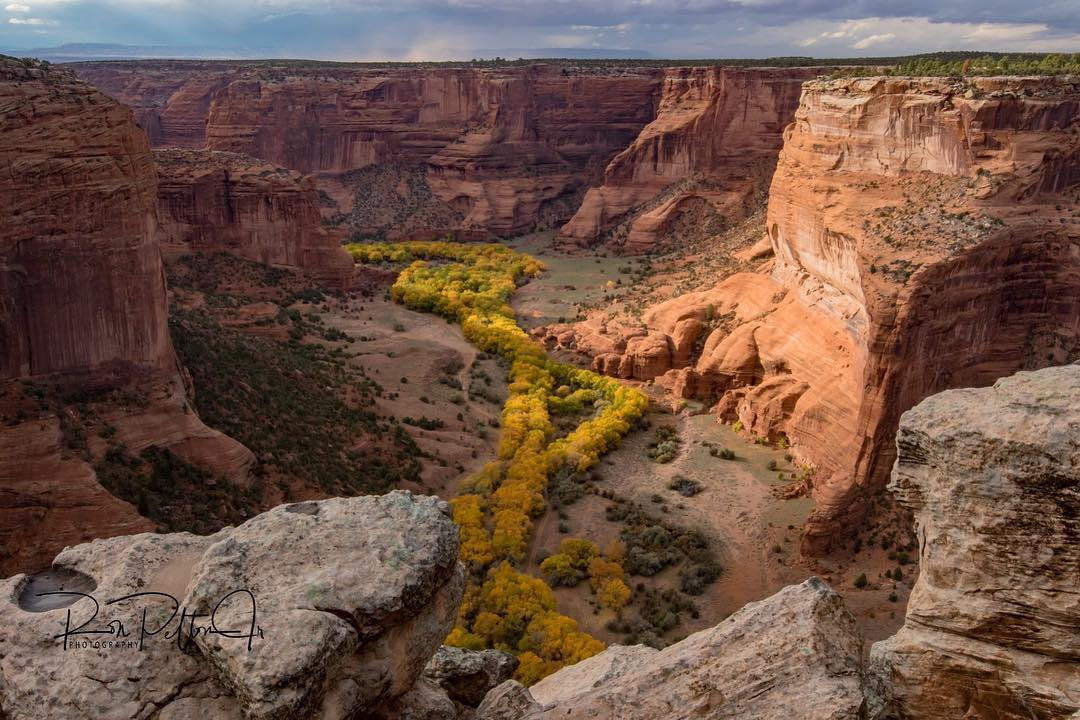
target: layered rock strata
223 202
505 148
349 598
993 477
715 139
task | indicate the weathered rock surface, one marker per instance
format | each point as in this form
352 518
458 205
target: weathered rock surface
993 476
224 202
82 306
924 237
351 597
795 654
468 675
81 288
718 127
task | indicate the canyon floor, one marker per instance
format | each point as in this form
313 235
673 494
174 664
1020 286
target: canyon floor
428 370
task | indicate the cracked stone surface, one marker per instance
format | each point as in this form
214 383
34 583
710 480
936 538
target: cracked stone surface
353 596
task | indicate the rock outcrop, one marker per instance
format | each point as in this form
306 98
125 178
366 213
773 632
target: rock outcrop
334 607
993 476
795 654
82 310
714 140
924 236
223 202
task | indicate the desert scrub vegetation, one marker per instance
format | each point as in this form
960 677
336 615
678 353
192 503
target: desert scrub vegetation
162 485
302 410
159 483
471 284
665 447
302 407
975 65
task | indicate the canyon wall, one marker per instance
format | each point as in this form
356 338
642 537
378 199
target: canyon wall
501 149
993 477
223 202
83 315
924 236
715 138
81 287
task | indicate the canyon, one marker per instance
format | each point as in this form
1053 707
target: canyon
182 260
501 151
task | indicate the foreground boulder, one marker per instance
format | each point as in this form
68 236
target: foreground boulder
795 654
468 675
993 623
348 600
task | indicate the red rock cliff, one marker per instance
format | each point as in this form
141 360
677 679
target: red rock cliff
212 201
505 148
925 237
718 130
934 221
82 305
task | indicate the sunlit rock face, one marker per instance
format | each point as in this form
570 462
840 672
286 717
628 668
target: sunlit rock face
923 236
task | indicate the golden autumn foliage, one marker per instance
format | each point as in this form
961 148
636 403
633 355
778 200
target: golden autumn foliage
472 285
615 594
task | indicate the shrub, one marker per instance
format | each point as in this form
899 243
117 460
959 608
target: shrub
685 486
694 579
860 581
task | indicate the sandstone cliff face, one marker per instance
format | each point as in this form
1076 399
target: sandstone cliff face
718 128
993 477
956 261
924 237
81 287
505 148
222 202
351 598
82 307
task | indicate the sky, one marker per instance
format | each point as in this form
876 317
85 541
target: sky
431 30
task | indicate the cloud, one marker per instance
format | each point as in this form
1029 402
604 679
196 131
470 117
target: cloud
873 40
355 29
31 21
